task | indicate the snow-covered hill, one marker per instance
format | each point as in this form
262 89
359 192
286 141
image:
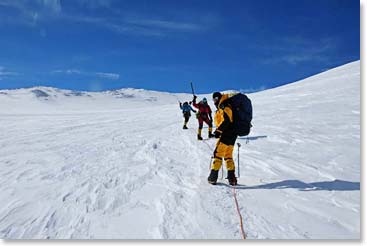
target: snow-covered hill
47 99
118 165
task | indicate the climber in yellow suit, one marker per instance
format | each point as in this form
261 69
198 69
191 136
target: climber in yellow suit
223 120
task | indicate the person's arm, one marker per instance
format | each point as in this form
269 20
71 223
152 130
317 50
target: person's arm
210 114
196 105
194 102
192 109
228 119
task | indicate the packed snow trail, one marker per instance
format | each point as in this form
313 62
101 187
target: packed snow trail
117 165
82 176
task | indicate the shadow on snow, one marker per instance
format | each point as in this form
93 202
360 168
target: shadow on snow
336 185
252 138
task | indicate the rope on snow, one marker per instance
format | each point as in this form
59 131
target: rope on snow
243 234
239 214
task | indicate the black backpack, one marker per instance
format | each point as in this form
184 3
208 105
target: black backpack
242 113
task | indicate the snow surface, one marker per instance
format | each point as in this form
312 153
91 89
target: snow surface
117 165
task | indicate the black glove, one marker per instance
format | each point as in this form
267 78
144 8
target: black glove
195 111
194 97
217 134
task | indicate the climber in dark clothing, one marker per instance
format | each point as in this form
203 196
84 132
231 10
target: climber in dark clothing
186 108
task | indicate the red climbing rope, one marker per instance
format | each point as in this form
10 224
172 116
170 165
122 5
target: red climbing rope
239 214
235 199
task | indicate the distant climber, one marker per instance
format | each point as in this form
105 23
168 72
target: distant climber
204 114
186 109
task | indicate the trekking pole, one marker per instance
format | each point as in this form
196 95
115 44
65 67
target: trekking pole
222 172
238 159
210 163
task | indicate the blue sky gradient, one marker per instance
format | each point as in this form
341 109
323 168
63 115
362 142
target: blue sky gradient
162 45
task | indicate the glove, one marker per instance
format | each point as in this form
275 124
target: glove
195 97
195 111
217 134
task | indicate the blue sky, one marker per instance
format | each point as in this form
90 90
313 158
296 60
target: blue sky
162 45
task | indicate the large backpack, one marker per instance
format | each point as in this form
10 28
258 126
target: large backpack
242 113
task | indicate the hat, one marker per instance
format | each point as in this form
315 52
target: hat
217 96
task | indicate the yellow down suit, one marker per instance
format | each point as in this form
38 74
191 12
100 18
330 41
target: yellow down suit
223 119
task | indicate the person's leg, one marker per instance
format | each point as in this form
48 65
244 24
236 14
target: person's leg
187 117
228 157
219 152
209 123
200 128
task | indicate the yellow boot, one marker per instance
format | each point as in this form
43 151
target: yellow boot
199 134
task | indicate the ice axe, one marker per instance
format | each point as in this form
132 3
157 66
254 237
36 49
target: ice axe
192 89
193 92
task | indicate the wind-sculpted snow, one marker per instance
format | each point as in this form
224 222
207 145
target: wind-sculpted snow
40 93
76 93
117 165
119 94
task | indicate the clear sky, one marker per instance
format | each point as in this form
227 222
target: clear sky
162 45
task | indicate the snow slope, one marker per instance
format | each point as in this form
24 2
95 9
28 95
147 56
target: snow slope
117 165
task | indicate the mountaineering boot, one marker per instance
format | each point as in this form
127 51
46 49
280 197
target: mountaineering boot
185 127
232 180
199 134
210 134
213 176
